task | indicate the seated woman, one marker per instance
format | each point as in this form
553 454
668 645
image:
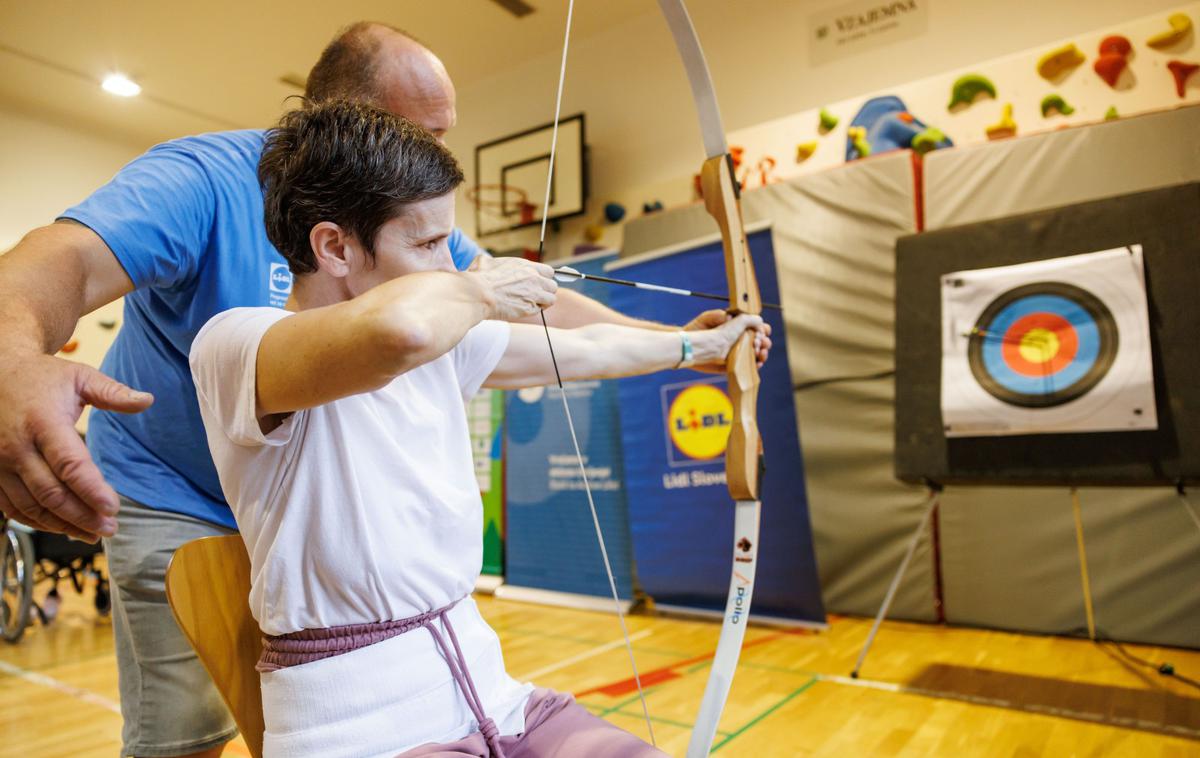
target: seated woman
339 432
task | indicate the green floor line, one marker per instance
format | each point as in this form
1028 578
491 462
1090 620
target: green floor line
624 703
698 667
764 714
669 722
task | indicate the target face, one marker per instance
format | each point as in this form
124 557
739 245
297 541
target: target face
1042 344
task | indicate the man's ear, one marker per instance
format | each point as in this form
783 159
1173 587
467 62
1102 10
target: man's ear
336 250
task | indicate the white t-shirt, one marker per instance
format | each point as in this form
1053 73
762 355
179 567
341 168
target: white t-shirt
364 509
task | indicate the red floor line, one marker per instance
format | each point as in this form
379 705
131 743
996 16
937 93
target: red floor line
666 673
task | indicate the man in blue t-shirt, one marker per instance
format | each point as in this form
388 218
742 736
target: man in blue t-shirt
179 233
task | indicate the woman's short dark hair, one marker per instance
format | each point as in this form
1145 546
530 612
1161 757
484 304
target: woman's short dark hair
350 163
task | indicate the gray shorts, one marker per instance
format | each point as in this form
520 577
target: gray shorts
168 702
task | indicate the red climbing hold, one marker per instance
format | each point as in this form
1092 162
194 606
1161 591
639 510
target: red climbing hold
1115 45
1181 70
1109 67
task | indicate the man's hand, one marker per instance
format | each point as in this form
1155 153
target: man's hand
516 288
47 479
714 318
712 346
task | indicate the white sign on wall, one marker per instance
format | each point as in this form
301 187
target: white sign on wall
848 29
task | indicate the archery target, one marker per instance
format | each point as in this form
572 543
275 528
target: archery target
1052 346
1042 344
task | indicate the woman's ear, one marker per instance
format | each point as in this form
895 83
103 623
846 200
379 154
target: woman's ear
336 250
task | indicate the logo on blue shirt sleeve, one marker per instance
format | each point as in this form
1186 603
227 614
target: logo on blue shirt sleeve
280 284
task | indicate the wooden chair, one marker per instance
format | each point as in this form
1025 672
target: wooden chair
208 587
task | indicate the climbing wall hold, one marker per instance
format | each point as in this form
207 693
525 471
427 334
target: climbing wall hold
1181 70
1180 24
967 88
1116 45
858 135
1114 57
928 140
614 212
805 150
593 232
1058 61
652 206
1111 113
1005 127
70 347
827 122
1109 67
1052 103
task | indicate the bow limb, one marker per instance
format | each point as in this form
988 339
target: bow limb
743 454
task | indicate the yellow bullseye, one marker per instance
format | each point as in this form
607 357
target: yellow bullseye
1039 345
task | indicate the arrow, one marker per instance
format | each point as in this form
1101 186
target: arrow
568 274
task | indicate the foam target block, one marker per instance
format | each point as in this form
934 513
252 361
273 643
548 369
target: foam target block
1166 222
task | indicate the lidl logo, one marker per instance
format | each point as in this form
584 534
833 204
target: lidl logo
281 278
699 420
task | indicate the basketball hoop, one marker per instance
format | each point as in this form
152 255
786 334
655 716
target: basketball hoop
503 200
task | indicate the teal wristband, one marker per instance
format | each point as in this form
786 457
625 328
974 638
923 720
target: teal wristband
687 356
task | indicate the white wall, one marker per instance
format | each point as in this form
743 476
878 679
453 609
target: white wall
46 167
641 122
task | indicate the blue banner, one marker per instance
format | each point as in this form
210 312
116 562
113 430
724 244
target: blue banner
674 426
551 541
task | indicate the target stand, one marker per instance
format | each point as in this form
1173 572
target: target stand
928 521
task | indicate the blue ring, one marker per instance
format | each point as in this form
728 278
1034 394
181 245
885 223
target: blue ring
1087 337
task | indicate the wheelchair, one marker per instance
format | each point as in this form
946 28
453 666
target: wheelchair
28 558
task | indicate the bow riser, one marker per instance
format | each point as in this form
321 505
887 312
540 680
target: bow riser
744 450
721 201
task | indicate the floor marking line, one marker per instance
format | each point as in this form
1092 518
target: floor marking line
79 693
670 668
737 732
620 705
585 655
1123 722
669 722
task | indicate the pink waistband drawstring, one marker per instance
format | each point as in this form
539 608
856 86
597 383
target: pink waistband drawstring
308 645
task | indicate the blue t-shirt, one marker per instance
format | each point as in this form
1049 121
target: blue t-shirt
185 220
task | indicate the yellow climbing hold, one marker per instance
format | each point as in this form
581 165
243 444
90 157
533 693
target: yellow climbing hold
1111 113
1005 127
805 150
593 232
858 135
1180 25
1059 60
967 88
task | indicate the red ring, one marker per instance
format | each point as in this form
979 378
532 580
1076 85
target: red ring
1068 344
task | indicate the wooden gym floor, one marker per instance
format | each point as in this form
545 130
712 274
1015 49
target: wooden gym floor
926 690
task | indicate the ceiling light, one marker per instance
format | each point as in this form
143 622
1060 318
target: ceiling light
119 84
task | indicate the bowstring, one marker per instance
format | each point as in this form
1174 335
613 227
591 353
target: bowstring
612 582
